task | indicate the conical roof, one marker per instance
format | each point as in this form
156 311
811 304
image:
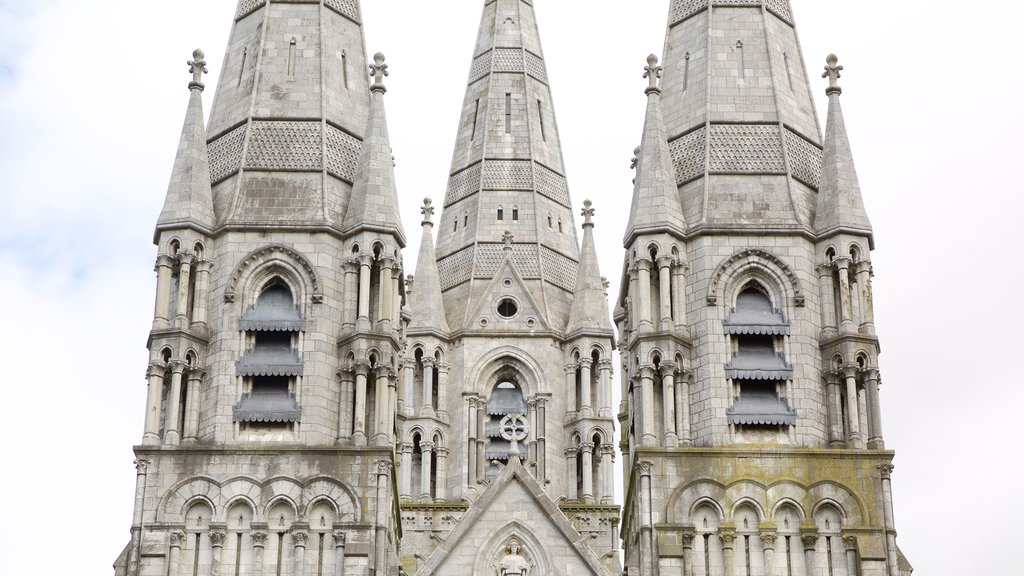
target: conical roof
374 201
426 302
656 207
840 204
189 200
589 311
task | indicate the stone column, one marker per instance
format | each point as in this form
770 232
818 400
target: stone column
172 434
352 287
570 464
363 320
192 403
665 292
587 453
852 406
728 538
405 398
384 285
396 295
299 539
683 408
200 312
845 303
647 560
834 403
851 555
471 444
687 538
668 403
481 435
586 387
345 403
381 408
259 542
768 537
867 321
339 552
633 299
892 556
405 472
605 394
380 557
875 438
810 542
570 388
427 408
607 473
679 295
827 290
443 371
156 387
426 452
542 423
185 260
174 555
643 270
442 475
362 370
135 554
162 309
217 538
647 403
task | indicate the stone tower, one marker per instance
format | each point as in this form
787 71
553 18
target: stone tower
505 414
278 335
750 417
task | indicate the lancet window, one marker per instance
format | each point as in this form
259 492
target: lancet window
506 400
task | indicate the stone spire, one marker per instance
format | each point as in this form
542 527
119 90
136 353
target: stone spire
840 205
189 201
507 174
589 311
655 207
426 303
374 201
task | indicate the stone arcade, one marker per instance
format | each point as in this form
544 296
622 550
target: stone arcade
312 410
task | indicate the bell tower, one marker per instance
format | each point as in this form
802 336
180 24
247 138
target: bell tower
751 418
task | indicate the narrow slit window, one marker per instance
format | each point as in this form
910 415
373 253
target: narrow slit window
344 69
291 59
241 69
456 228
501 214
476 118
465 220
540 115
515 214
559 226
508 113
550 223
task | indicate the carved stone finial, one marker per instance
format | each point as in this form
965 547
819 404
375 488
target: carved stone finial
379 71
197 66
427 210
588 213
653 73
833 71
635 161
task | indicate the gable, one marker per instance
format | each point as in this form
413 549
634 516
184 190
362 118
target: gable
507 288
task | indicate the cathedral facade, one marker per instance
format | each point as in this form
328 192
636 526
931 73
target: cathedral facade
314 408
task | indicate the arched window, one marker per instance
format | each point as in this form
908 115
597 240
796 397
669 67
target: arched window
788 549
237 545
748 555
506 399
707 548
830 543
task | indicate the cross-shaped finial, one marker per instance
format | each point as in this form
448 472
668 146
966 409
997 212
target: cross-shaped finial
653 73
197 66
514 429
507 239
588 213
833 73
427 210
379 71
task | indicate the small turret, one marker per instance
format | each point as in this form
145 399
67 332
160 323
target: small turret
189 201
840 205
374 202
426 303
589 305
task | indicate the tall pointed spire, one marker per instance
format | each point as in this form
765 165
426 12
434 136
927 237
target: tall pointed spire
189 201
656 205
374 201
426 303
590 305
507 174
840 204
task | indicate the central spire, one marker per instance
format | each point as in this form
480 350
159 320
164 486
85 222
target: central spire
507 175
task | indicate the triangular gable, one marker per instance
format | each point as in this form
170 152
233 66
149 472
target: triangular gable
507 283
514 506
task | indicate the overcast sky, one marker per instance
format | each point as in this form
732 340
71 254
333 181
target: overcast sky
93 92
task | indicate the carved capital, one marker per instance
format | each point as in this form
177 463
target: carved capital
299 538
185 257
340 538
587 447
850 370
825 270
843 263
886 470
177 366
142 466
809 539
586 363
217 538
851 542
570 369
643 264
665 261
687 538
870 374
768 537
164 261
647 371
177 537
428 361
196 374
361 368
259 539
727 536
384 467
667 369
571 453
644 467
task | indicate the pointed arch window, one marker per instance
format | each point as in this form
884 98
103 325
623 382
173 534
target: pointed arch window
506 398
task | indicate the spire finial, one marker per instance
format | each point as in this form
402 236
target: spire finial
197 66
588 214
833 73
427 210
379 71
653 73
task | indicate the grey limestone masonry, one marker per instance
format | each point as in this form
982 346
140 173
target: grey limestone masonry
313 407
